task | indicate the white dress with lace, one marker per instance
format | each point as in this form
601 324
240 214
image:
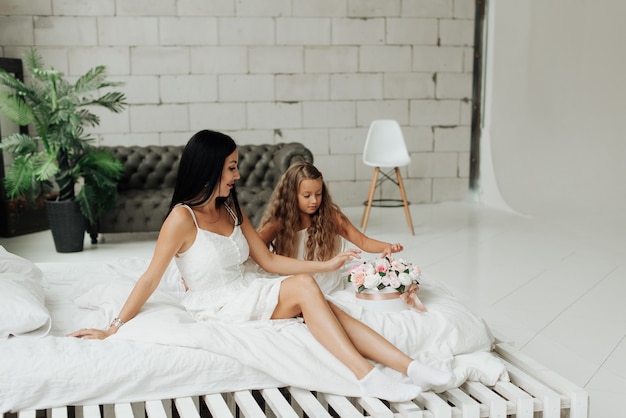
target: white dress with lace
218 284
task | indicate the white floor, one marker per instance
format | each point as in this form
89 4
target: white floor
553 287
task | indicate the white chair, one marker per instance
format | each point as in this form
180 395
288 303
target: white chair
385 147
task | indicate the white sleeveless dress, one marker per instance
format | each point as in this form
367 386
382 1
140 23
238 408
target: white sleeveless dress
219 287
331 281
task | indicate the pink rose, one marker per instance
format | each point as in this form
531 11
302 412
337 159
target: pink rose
395 283
358 279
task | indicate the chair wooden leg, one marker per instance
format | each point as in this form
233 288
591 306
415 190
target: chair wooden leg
370 199
405 202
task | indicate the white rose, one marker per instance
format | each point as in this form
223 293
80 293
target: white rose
415 272
371 281
405 279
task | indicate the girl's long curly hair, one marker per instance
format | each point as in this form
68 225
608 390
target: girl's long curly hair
324 239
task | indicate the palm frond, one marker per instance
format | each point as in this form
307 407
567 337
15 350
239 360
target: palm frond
89 119
44 166
15 108
9 80
101 165
33 61
19 180
114 101
91 81
20 144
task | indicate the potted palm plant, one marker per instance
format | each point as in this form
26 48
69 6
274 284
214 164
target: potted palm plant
79 181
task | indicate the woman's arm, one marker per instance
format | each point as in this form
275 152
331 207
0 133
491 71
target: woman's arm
285 265
176 235
365 243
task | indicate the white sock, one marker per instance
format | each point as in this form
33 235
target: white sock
425 376
377 384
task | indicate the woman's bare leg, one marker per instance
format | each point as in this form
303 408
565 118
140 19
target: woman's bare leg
374 346
301 294
370 343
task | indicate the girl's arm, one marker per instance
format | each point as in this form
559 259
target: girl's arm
285 265
268 232
176 235
365 243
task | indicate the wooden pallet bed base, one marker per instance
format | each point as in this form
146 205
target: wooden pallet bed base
534 391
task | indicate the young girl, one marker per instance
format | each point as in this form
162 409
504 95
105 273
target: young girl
210 238
301 221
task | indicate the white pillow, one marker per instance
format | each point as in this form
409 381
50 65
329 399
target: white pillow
22 307
11 263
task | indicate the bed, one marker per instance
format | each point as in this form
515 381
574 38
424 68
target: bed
163 364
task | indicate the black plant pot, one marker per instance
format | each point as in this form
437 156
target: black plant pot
67 224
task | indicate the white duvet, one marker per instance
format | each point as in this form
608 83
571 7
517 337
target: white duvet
163 353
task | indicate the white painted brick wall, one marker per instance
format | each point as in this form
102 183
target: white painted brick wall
159 60
188 31
303 31
385 59
12 30
246 87
316 72
247 31
205 8
302 87
219 60
334 59
65 31
412 31
271 115
188 88
21 7
217 116
368 111
276 59
80 60
83 8
128 31
335 114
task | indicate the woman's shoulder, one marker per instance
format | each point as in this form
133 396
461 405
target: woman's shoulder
181 215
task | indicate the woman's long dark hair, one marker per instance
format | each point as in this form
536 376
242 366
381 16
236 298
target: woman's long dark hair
200 170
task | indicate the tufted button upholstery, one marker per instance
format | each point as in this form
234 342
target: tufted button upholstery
146 187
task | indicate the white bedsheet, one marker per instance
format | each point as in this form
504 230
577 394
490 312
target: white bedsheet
162 353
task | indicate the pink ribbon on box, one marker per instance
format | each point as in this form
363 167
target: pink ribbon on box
378 296
411 299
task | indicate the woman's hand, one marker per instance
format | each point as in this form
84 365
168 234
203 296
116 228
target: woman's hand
90 334
340 259
392 248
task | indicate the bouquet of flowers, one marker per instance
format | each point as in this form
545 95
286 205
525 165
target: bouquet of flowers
378 274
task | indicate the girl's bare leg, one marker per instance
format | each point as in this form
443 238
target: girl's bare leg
301 294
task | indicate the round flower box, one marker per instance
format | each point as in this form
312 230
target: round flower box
384 300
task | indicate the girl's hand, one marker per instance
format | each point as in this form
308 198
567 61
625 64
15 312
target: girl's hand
90 334
340 259
392 248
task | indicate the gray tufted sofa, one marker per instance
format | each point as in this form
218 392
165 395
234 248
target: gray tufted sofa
146 187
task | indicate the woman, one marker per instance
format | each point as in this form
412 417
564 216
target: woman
210 238
301 221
